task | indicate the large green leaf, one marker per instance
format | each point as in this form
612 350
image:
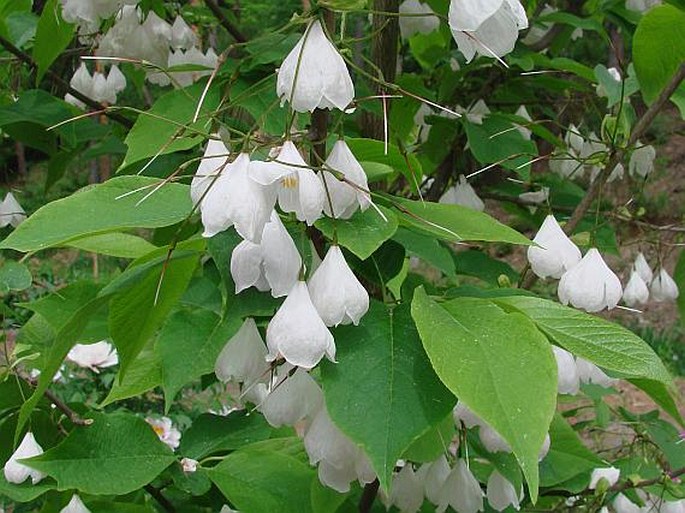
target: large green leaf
14 276
167 127
604 343
263 479
100 209
427 248
116 244
117 454
145 373
26 491
454 223
53 35
494 362
658 49
382 393
189 345
363 233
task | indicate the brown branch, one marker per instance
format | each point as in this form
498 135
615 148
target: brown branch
225 22
74 417
368 496
647 482
54 77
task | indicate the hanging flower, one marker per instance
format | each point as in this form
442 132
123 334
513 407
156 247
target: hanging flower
588 372
535 197
636 291
314 74
568 379
463 194
292 398
434 475
166 431
417 18
554 253
274 264
211 165
489 28
192 56
623 504
501 493
336 292
16 472
299 190
297 333
407 490
641 162
610 474
643 269
99 355
234 199
182 36
590 285
525 132
75 506
243 358
663 288
461 491
345 198
11 212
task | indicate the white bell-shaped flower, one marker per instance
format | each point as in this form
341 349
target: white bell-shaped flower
273 264
463 194
487 27
434 475
492 440
182 36
611 474
461 491
616 174
82 81
663 287
474 114
11 212
234 199
99 355
165 431
299 190
75 506
623 504
16 472
336 292
643 269
568 379
192 56
554 253
641 6
523 130
636 291
116 80
501 493
314 74
574 140
535 197
243 358
641 162
212 164
407 490
292 398
297 332
592 149
417 18
345 198
588 372
590 285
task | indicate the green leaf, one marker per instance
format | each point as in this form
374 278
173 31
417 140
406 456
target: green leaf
188 346
433 444
604 343
167 127
661 395
658 49
375 171
260 479
100 209
14 276
494 362
426 248
116 244
455 223
344 5
480 265
119 453
382 393
370 150
53 35
25 492
363 233
145 373
615 89
210 434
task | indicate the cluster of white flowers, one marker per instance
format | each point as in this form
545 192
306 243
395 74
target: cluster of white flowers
11 213
96 86
166 431
417 18
572 372
643 283
88 14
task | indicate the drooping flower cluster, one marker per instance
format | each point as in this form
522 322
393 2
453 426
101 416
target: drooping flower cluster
11 212
572 372
96 86
643 284
88 14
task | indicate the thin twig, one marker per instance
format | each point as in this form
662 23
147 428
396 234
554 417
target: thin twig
73 417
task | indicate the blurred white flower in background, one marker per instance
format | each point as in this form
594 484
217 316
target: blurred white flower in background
11 212
165 430
99 355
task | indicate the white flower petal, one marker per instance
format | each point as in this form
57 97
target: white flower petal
243 358
16 472
663 287
590 285
554 253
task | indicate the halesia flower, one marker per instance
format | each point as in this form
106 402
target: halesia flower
314 74
11 213
535 197
182 36
192 56
623 504
234 199
574 140
501 493
611 475
636 291
293 397
297 332
641 6
345 198
434 475
88 12
166 431
474 114
274 264
489 28
299 190
407 490
643 269
588 372
568 379
663 287
590 285
16 472
463 415
554 253
616 174
189 465
243 358
463 194
336 292
212 164
417 18
641 162
99 355
591 152
461 491
523 130
75 506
